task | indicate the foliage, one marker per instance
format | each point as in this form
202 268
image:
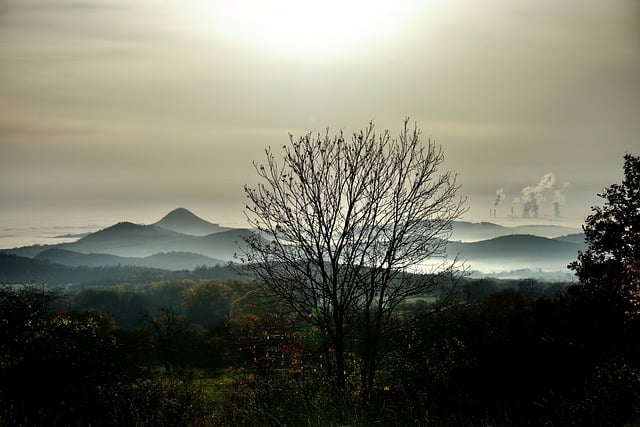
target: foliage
609 266
124 303
501 359
511 360
72 368
280 370
208 303
205 302
478 289
18 269
340 223
173 337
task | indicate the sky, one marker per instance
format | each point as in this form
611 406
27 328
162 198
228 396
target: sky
125 109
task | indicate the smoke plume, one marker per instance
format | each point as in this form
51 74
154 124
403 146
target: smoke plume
531 197
499 197
559 199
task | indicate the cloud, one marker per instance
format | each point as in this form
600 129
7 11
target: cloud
104 94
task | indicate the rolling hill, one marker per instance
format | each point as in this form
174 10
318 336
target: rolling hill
577 238
181 240
516 251
166 260
16 269
221 245
475 231
127 239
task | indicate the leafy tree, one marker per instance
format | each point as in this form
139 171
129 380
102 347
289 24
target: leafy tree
124 303
340 224
69 368
174 338
54 365
609 266
208 303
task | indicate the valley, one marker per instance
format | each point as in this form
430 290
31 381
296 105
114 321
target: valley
183 241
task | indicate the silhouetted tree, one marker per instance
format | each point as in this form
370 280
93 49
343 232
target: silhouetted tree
174 338
340 222
609 266
55 366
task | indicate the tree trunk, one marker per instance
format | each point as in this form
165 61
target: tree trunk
366 353
339 353
368 370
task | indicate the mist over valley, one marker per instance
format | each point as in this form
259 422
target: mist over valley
182 240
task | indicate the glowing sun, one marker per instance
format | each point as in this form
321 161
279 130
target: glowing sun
311 27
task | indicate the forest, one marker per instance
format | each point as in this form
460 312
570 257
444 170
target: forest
319 341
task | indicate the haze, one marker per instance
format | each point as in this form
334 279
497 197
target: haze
115 110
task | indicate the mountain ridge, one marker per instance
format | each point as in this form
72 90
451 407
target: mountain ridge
148 245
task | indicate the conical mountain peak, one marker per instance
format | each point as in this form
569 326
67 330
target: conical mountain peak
184 221
181 214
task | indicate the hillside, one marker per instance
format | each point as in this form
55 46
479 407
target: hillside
126 239
167 260
516 251
183 221
142 241
15 269
577 238
475 231
182 240
221 245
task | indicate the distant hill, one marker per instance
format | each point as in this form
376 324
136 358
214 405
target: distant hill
221 245
180 261
70 258
549 231
516 251
475 231
142 241
578 238
126 239
27 251
527 273
16 269
131 240
181 240
130 231
168 261
183 221
72 236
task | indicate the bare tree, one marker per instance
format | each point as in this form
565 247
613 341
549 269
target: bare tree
348 229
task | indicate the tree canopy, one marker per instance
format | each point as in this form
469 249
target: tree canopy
611 263
342 222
